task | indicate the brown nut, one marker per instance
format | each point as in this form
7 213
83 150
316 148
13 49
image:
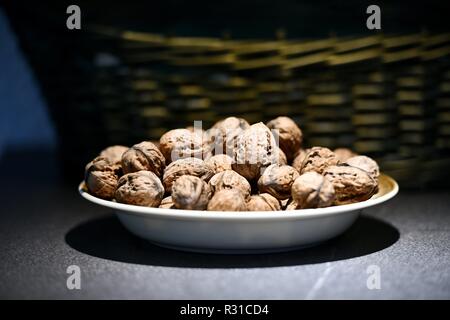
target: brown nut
288 134
263 202
292 205
227 200
256 150
299 158
312 190
282 160
101 177
182 143
318 159
220 162
350 184
142 188
343 154
113 153
230 180
365 163
167 203
191 193
277 180
190 166
223 135
143 156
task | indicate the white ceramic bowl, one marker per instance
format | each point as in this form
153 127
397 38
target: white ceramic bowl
241 232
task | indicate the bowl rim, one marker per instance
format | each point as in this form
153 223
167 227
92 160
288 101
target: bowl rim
391 191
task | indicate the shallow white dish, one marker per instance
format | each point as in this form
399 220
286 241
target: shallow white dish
241 232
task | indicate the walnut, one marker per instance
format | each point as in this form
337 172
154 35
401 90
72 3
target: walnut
167 203
220 162
192 193
230 180
288 134
282 160
101 177
292 205
182 143
227 200
263 202
299 157
143 156
277 180
142 188
343 154
190 166
256 150
113 153
350 184
223 135
365 163
312 190
318 159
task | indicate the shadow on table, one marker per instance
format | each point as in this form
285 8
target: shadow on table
106 238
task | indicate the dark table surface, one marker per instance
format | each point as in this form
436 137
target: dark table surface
45 226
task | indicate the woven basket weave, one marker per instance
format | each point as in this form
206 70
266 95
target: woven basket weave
387 96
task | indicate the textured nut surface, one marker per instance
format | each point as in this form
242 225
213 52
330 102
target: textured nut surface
167 203
189 192
292 205
312 190
256 149
230 180
318 159
282 160
101 177
227 200
299 158
182 143
350 184
220 162
365 163
223 134
189 166
343 154
263 202
143 156
289 135
277 180
113 153
142 188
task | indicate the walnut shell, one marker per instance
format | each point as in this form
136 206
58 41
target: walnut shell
101 177
223 134
288 134
256 150
277 180
190 166
343 154
167 203
312 190
220 162
192 193
318 159
227 200
365 163
282 160
143 156
263 202
114 153
299 158
292 205
230 180
350 184
142 188
182 143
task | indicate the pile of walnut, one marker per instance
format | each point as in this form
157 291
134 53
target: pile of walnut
234 166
